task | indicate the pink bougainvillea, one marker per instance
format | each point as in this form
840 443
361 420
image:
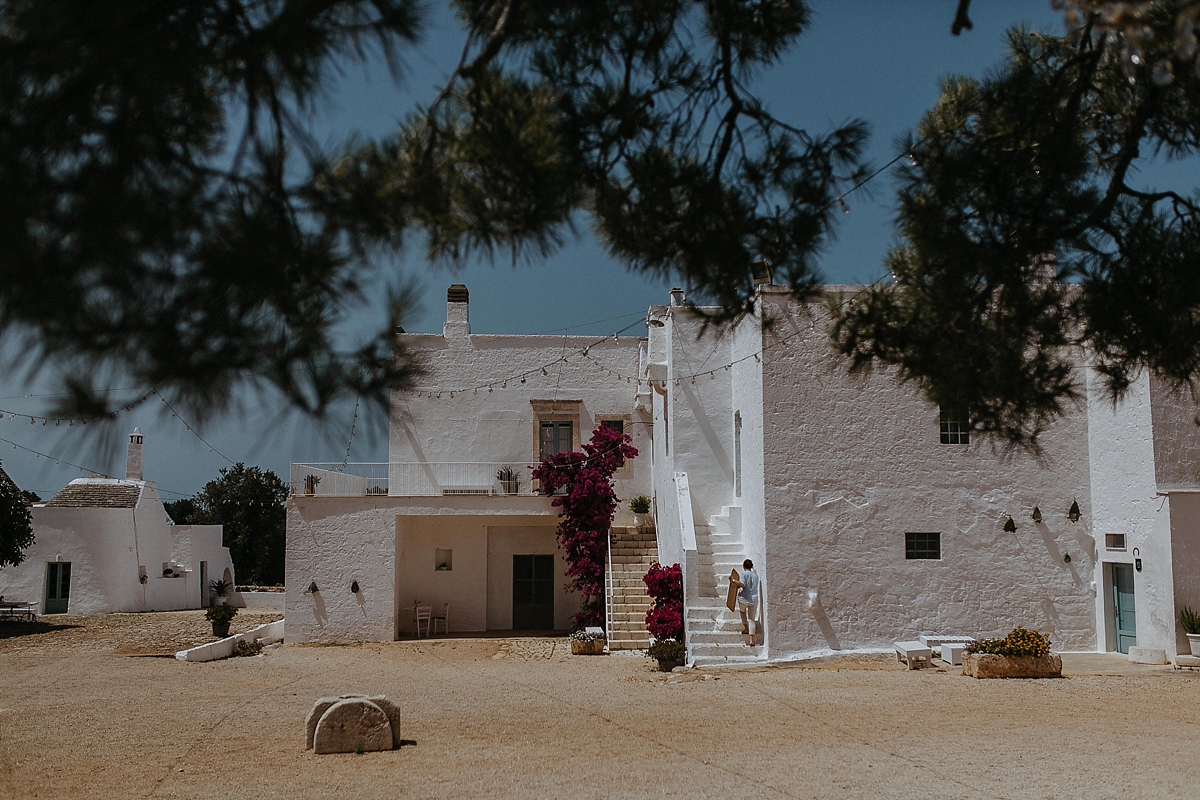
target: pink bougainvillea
665 585
587 511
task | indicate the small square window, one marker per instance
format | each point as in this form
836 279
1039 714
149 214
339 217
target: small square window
1114 541
955 425
922 545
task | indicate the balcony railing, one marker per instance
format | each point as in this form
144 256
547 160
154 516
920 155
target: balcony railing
411 479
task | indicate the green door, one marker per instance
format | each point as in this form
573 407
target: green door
58 587
533 593
1123 614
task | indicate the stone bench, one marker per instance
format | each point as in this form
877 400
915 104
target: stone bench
912 653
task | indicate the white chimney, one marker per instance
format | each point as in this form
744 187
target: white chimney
133 457
458 313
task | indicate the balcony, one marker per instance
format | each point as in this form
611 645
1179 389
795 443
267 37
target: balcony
410 479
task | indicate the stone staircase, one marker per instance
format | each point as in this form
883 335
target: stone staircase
633 551
715 632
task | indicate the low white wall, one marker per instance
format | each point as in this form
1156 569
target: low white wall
268 633
262 601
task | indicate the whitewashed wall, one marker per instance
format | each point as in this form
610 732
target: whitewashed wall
852 463
105 547
336 541
1124 500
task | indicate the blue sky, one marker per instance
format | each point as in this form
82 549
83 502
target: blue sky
879 60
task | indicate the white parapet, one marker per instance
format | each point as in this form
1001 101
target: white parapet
268 633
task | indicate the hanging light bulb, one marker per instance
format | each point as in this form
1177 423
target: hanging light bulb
844 206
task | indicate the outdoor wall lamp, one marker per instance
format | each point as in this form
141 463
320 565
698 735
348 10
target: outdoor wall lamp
1010 526
312 588
1037 515
1074 514
1066 558
354 588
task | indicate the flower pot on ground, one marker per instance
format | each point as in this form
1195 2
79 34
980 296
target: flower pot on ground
1190 621
669 654
220 590
587 644
220 616
1021 654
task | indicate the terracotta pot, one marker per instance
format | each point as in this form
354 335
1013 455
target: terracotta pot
220 629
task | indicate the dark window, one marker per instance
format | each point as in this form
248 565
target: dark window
555 439
922 545
956 425
617 425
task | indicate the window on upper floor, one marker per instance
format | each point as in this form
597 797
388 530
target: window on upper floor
555 436
922 545
955 425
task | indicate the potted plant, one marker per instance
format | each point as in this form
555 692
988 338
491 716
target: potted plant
669 654
640 506
1190 621
220 588
220 617
585 643
510 479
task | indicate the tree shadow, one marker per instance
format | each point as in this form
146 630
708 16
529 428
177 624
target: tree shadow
13 630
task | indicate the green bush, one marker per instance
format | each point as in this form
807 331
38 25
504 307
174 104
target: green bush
1190 620
220 614
640 504
246 648
668 650
1019 642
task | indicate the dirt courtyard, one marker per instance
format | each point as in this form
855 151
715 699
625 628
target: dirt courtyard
88 711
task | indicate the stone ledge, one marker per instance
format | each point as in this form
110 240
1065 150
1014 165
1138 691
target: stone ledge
990 665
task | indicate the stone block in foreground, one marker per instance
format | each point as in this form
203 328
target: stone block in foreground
990 665
352 723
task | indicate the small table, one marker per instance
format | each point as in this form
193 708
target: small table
952 653
912 653
14 611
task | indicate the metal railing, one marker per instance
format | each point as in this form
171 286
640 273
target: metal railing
410 479
609 603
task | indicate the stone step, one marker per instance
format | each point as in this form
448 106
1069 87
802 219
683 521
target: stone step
628 625
628 645
739 653
730 638
730 660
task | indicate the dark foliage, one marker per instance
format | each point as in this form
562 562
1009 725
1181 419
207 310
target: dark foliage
16 523
164 218
665 584
1024 244
249 502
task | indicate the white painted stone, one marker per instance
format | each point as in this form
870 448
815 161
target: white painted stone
1147 655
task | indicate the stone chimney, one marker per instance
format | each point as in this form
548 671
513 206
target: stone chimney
677 296
133 457
458 313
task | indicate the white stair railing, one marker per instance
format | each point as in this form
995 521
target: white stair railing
690 563
609 602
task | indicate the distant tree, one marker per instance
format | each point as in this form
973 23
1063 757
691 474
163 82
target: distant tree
30 496
249 503
16 523
1025 241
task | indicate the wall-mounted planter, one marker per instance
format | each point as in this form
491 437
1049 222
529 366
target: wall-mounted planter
990 665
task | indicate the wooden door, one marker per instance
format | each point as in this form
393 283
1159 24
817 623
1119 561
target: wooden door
58 587
1123 608
533 593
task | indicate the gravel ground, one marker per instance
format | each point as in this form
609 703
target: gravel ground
82 715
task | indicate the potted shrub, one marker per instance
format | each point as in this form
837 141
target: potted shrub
1190 621
669 654
220 616
584 643
640 506
220 589
510 479
1021 654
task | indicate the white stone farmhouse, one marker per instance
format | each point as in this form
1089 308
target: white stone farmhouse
105 544
871 515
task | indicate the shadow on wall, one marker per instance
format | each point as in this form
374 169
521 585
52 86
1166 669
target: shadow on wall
822 619
319 609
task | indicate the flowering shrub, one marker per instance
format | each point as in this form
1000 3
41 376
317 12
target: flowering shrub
1019 642
587 512
584 636
667 650
665 585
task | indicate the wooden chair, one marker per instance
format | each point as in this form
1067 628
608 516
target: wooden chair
442 619
421 614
